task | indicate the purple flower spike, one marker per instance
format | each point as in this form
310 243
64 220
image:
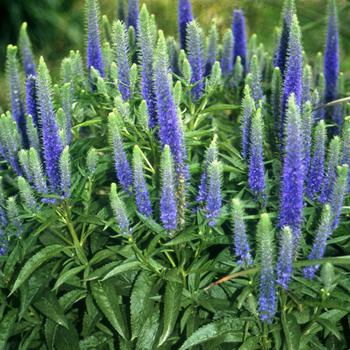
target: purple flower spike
195 57
346 144
121 51
331 173
307 123
316 172
17 108
31 99
122 167
267 295
285 258
319 246
227 54
168 205
239 38
214 197
294 69
338 194
184 17
133 13
143 202
212 48
211 155
256 159
291 197
169 128
240 238
146 44
248 109
281 54
331 55
94 49
51 139
25 48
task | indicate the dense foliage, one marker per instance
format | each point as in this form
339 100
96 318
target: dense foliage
176 195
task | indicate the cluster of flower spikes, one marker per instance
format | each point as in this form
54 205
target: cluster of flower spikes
35 138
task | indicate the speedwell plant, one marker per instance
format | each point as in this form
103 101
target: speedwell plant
165 194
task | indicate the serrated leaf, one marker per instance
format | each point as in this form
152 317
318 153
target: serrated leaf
183 238
67 275
140 302
251 343
34 263
48 305
129 266
330 326
291 331
108 303
6 326
149 332
71 297
212 331
172 303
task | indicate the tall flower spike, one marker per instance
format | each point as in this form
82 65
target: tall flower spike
168 206
133 14
122 167
285 258
346 143
294 69
173 52
334 154
307 123
121 51
255 86
195 57
184 17
307 84
281 54
211 155
66 97
143 201
211 48
320 242
291 197
214 197
338 194
256 158
119 210
37 171
26 193
267 296
91 161
146 44
276 92
51 139
121 10
170 131
65 170
94 49
31 100
15 92
10 141
239 38
331 54
227 53
23 156
240 238
3 218
316 171
237 76
25 48
248 109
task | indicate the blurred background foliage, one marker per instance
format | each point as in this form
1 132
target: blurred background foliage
57 26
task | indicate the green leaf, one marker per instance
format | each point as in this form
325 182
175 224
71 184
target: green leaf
211 331
330 326
251 343
149 331
291 331
35 262
221 107
172 303
129 266
183 238
48 305
67 275
141 303
108 302
6 326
